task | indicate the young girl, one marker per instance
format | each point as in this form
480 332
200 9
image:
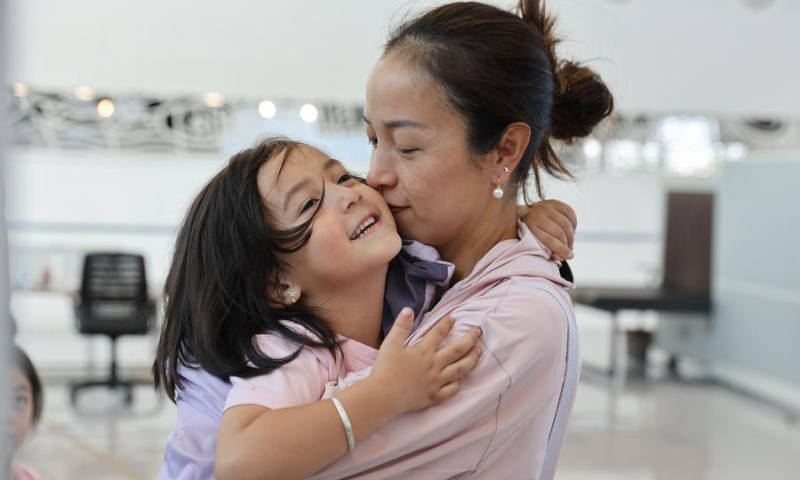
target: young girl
281 267
26 410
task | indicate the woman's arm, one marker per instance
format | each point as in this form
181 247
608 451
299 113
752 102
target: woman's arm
255 442
554 223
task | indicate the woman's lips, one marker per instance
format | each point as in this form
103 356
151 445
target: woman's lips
395 210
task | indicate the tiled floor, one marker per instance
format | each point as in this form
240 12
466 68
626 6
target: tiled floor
646 431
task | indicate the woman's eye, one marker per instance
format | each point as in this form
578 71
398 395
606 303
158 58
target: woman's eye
407 151
373 142
21 401
345 177
308 204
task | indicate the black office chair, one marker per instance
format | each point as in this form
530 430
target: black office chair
686 284
113 301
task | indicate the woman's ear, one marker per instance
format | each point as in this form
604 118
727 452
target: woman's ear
511 148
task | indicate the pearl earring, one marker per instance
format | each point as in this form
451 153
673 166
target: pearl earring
293 294
498 192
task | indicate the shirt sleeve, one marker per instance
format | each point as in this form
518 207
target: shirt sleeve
520 371
298 382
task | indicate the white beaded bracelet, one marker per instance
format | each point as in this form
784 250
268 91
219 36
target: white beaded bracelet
348 428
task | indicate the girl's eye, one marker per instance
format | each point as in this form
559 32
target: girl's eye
309 204
345 177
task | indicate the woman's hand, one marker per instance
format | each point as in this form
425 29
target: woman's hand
421 375
554 224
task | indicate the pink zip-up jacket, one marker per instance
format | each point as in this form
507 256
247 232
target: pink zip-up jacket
497 426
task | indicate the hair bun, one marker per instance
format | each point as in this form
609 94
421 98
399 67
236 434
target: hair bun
582 101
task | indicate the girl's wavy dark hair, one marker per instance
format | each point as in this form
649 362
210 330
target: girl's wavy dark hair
216 293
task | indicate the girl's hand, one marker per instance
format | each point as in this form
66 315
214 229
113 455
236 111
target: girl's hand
421 375
554 224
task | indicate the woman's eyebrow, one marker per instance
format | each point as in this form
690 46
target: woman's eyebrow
400 123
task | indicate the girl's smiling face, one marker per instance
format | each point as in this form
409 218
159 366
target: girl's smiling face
353 233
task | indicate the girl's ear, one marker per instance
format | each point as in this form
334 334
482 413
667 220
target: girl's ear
283 291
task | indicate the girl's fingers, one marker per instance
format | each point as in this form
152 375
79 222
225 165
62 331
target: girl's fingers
457 370
556 229
565 225
554 244
433 338
447 392
567 211
456 350
399 333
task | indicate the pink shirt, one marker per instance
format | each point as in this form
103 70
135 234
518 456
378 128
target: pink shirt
21 472
302 380
497 427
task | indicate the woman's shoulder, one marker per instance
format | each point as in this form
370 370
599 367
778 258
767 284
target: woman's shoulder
528 328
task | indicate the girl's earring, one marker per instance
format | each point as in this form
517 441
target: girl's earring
292 294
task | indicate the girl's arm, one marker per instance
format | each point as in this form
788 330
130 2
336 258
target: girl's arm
255 442
554 224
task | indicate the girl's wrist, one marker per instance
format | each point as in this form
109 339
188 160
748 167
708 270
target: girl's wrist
382 392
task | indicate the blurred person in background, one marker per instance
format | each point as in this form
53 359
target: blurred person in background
27 400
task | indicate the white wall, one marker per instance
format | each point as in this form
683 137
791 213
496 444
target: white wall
757 278
64 203
719 56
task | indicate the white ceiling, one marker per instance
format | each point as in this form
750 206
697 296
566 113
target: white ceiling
718 56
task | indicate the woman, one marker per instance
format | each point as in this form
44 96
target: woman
190 448
461 110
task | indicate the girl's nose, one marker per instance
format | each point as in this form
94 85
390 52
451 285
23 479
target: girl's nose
346 197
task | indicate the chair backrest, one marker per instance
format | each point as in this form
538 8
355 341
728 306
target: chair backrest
569 387
113 296
687 249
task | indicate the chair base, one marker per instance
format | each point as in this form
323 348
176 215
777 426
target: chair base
126 386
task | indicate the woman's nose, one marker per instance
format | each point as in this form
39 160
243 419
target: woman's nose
381 171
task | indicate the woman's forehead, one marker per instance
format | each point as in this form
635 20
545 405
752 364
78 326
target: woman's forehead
397 93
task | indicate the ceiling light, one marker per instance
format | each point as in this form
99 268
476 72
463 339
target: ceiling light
309 113
105 108
267 109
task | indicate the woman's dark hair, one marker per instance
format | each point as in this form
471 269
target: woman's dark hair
496 68
21 360
227 258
